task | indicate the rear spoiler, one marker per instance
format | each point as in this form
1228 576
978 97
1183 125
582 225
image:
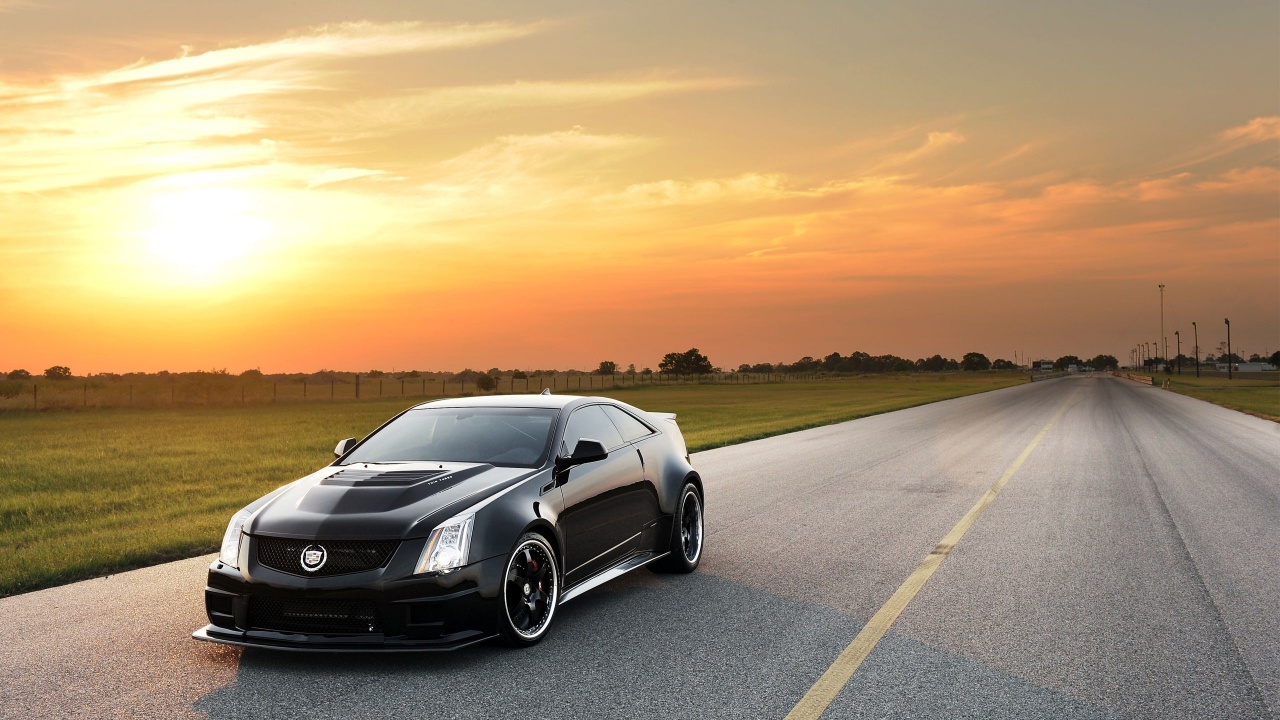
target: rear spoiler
665 416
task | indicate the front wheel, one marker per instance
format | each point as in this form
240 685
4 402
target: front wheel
686 535
530 591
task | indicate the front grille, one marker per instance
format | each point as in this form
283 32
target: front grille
321 617
340 557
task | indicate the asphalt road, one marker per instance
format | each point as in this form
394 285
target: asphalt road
1128 569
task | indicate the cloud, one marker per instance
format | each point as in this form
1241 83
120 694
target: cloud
197 111
1259 129
337 175
447 104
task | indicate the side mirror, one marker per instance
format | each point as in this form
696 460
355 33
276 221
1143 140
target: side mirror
587 450
343 447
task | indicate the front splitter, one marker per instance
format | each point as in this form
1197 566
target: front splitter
314 643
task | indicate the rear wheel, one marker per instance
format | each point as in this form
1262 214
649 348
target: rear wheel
530 591
686 535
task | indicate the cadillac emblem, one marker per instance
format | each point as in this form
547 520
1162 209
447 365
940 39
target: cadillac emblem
313 557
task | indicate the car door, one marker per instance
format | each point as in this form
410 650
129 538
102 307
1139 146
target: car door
599 520
638 435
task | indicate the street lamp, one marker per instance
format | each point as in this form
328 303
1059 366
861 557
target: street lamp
1196 333
1229 363
1177 335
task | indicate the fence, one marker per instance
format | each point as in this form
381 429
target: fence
1144 379
215 390
231 390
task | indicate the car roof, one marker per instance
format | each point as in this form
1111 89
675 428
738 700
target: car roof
508 401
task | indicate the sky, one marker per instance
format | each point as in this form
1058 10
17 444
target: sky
432 184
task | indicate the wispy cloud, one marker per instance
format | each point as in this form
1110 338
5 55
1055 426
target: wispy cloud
1259 129
191 112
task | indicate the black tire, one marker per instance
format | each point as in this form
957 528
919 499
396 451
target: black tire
530 591
687 535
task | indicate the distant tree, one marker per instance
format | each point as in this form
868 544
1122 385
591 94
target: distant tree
494 373
375 374
1275 358
411 374
647 371
251 373
19 374
1210 358
1230 358
1255 357
1104 362
690 362
519 375
607 367
1066 361
631 369
58 372
937 363
1002 364
485 381
975 361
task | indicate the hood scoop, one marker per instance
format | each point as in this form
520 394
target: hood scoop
364 477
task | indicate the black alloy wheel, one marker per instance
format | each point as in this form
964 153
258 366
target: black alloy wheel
530 591
686 535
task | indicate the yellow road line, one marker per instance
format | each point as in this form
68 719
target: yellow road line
815 702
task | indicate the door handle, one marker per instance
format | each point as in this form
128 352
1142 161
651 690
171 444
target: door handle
548 487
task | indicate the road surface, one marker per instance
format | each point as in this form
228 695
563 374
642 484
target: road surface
1128 569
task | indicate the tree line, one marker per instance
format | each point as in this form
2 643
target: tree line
689 362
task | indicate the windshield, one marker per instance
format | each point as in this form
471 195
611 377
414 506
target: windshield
511 437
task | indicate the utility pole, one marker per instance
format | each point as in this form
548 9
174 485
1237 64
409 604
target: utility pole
1229 363
1166 337
1196 334
1178 336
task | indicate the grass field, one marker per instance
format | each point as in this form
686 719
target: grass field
1256 397
88 493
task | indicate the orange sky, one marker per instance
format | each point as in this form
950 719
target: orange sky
435 185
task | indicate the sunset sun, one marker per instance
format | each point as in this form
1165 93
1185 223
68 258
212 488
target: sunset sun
204 232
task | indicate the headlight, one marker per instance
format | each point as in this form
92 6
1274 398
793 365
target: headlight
231 539
448 545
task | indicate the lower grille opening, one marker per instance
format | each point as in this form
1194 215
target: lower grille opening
321 617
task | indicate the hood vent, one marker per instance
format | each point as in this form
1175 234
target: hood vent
361 477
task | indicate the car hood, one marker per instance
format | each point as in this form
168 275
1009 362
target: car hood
378 500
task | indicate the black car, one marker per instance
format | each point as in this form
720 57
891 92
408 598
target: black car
458 521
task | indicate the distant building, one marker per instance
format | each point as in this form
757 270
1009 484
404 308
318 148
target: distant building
1246 367
1045 366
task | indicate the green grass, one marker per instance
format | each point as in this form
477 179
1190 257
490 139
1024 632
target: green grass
87 493
1256 397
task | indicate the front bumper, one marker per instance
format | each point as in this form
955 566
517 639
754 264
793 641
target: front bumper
387 609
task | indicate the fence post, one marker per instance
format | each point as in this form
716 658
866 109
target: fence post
332 385
130 395
357 386
86 395
35 396
273 393
379 388
304 388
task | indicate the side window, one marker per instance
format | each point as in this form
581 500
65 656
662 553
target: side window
631 428
590 422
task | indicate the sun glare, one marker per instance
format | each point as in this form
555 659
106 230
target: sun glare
202 232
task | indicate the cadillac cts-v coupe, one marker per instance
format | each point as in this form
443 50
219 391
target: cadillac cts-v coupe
455 522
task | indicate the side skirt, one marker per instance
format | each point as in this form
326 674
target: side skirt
604 576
